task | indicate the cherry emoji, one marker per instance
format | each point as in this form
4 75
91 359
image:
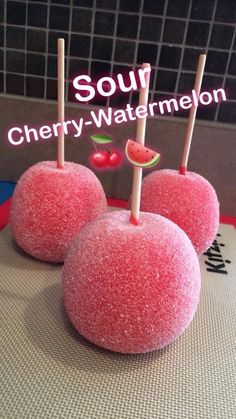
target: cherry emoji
100 159
115 158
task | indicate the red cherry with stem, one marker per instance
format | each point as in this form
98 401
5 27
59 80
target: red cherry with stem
115 158
100 159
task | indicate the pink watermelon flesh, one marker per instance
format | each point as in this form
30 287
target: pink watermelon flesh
140 154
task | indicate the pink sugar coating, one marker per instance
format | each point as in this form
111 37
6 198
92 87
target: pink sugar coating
131 289
188 200
51 205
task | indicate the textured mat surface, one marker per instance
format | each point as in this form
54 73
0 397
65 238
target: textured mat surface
48 371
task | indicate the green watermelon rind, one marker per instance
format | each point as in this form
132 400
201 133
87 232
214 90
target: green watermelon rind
149 164
155 161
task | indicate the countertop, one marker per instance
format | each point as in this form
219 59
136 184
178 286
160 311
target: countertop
212 154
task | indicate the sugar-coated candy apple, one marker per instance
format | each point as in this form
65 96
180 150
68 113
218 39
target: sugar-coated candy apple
188 200
131 288
51 205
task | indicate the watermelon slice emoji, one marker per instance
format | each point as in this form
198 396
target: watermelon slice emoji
141 156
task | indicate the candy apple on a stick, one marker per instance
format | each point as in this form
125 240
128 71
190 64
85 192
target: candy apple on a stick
185 197
131 280
53 200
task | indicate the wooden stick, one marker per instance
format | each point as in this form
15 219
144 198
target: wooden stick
140 138
60 100
192 115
